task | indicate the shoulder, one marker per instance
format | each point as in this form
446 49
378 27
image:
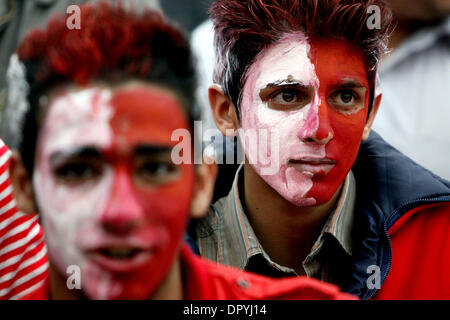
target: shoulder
436 214
231 283
425 230
393 183
420 255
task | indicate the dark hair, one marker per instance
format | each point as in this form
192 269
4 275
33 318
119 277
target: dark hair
111 40
243 28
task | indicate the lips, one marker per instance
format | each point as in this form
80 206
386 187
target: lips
120 253
313 166
121 258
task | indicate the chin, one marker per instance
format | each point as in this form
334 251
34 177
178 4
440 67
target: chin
118 291
323 193
99 284
303 202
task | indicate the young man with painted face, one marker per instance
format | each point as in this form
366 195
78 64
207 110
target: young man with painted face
95 161
319 195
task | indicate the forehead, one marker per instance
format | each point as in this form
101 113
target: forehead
338 59
288 58
100 116
296 57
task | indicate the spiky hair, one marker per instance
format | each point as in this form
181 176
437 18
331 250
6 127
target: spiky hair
243 28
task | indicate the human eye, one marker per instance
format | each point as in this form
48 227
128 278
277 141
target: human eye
155 171
288 98
346 100
75 172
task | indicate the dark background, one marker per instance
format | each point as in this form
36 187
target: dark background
188 13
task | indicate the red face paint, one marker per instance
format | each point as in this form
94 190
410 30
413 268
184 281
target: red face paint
342 71
111 200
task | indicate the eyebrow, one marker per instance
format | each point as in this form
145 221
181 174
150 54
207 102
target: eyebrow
93 152
82 152
285 83
149 150
349 84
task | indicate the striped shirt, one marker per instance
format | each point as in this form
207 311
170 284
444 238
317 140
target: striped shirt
23 254
226 236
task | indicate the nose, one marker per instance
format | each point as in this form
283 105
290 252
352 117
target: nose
317 127
123 212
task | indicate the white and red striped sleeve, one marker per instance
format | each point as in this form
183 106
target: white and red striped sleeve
23 253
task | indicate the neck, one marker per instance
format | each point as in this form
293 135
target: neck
170 289
285 231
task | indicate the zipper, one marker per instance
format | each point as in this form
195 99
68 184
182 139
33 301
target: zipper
402 209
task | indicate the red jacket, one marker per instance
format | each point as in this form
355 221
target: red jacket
420 255
210 281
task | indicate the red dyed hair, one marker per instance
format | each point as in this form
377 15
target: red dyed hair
110 38
243 28
112 44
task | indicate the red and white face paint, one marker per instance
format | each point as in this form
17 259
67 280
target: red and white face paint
311 95
110 199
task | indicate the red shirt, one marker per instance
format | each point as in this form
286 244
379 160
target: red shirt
420 255
206 280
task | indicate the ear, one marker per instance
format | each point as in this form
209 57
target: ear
223 111
21 183
204 188
373 113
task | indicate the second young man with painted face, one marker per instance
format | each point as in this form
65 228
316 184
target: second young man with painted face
296 81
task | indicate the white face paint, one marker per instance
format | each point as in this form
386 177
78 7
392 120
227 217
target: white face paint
73 119
284 63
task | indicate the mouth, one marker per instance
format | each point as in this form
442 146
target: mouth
119 253
313 166
121 259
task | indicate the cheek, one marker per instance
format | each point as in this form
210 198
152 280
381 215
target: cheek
258 119
66 212
249 118
170 204
349 129
348 132
344 147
